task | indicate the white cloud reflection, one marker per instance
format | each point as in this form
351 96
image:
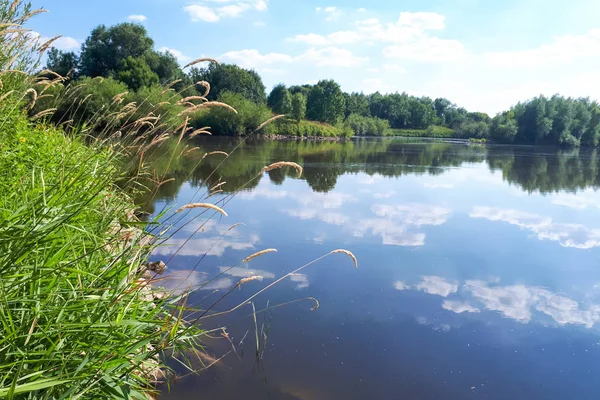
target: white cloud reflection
568 235
518 302
212 246
301 280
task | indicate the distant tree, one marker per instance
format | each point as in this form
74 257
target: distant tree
164 65
298 107
441 106
63 63
233 79
357 103
325 102
280 100
105 48
135 73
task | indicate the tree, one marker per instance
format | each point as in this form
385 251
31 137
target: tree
325 102
357 103
231 78
280 100
105 48
441 106
63 62
298 107
135 73
165 66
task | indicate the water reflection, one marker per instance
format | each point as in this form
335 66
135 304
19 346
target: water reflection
478 270
567 234
518 302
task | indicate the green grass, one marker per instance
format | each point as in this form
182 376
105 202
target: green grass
307 129
73 322
434 131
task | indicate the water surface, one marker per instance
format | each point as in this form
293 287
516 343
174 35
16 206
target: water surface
479 270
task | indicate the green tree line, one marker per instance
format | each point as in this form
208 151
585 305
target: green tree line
124 56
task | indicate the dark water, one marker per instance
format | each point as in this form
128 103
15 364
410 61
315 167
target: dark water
479 273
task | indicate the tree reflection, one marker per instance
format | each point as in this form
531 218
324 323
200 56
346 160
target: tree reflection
532 169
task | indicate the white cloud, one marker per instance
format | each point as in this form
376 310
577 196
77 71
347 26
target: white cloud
252 58
199 12
332 13
301 280
459 307
422 20
576 201
263 191
362 10
372 85
259 23
568 235
427 50
205 11
519 301
437 285
178 54
65 43
137 18
241 272
331 56
399 285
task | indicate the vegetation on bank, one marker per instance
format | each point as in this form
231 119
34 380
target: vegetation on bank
81 313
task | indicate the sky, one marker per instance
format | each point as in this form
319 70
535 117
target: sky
483 55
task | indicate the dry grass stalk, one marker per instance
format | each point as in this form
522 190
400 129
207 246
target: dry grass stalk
50 72
191 98
282 164
348 253
206 86
202 205
14 6
218 185
192 149
175 82
44 113
13 71
316 303
258 254
216 152
269 121
249 279
199 132
47 45
34 97
207 105
199 60
119 98
5 95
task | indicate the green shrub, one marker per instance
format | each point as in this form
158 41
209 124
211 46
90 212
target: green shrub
366 126
225 122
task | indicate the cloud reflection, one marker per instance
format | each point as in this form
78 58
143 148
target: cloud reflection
568 235
518 302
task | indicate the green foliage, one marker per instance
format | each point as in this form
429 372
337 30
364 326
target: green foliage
231 78
225 122
326 102
155 100
472 129
433 131
365 126
298 106
308 129
280 100
91 101
63 62
165 66
105 48
357 103
135 73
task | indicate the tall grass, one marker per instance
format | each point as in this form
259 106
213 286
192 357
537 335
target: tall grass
78 315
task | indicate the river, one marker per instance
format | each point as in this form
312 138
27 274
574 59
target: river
478 271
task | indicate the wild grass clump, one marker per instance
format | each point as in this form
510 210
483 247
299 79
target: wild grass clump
309 129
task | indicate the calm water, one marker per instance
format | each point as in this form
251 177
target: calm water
479 272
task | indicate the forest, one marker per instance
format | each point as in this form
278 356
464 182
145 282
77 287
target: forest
124 56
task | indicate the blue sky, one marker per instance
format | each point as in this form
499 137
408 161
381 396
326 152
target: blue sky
481 54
